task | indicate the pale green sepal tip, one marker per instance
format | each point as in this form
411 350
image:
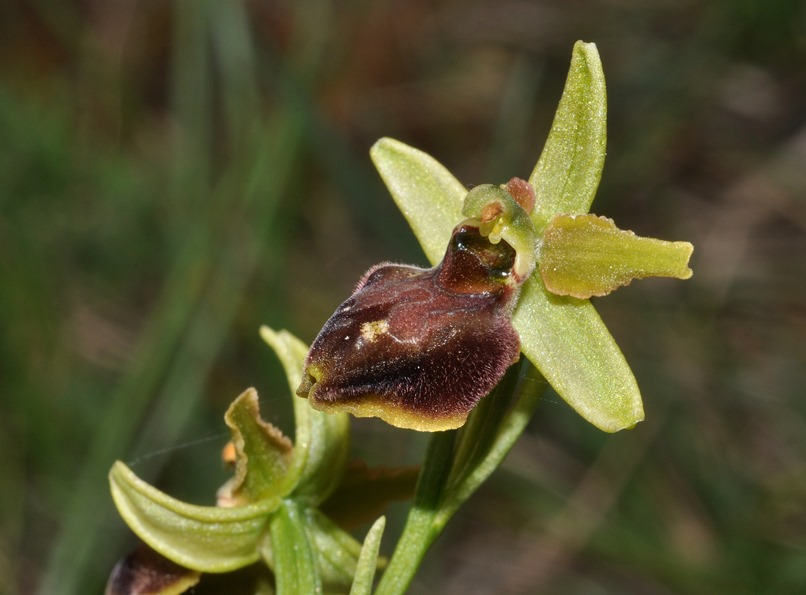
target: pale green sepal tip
203 538
567 174
570 345
427 194
368 559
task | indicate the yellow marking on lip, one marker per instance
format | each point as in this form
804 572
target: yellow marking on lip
371 330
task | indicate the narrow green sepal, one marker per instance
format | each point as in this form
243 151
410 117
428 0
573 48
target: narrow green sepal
586 255
289 350
567 174
427 194
569 344
203 538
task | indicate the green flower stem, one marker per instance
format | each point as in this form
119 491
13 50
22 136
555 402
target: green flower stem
418 534
453 470
530 391
295 567
477 437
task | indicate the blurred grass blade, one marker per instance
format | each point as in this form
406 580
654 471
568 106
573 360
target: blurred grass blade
567 175
203 538
232 42
192 101
368 560
570 345
294 564
425 192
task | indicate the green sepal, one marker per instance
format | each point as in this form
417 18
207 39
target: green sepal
203 538
510 223
586 255
571 347
368 559
427 194
262 458
567 174
322 439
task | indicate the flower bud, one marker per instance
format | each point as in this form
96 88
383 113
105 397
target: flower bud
419 347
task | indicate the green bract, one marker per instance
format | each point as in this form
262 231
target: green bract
563 336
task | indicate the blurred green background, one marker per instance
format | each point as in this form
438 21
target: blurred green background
174 174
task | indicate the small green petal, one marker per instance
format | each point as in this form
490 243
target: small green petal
262 457
425 192
586 255
322 439
570 345
203 538
567 175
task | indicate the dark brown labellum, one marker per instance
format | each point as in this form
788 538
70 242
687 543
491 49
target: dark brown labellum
145 571
419 347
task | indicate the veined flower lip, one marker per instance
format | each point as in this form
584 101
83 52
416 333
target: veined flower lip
419 347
